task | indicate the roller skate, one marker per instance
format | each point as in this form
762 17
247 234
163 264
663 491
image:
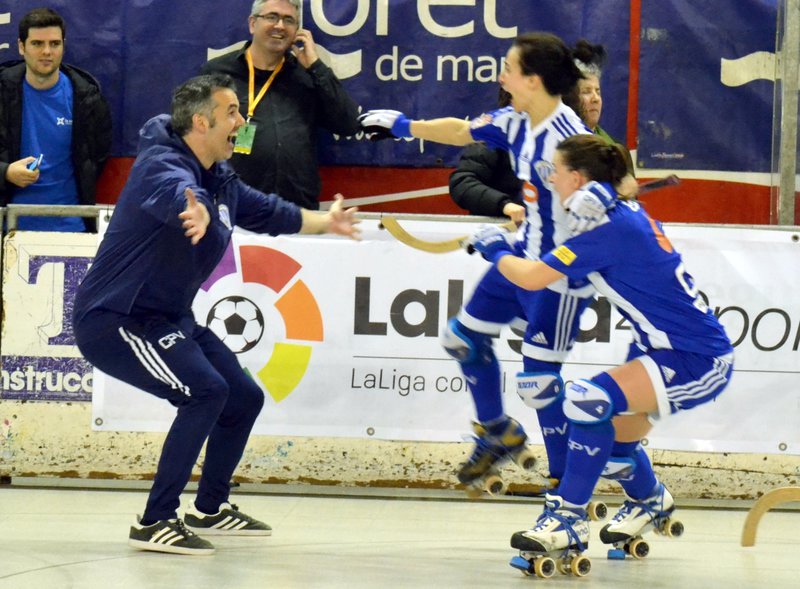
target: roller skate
556 543
480 472
634 518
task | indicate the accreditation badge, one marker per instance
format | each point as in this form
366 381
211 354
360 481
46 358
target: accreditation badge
245 138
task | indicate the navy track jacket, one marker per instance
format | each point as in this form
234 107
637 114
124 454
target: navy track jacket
145 264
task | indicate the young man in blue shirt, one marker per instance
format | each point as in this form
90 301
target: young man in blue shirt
54 110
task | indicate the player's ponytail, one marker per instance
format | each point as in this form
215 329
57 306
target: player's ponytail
594 158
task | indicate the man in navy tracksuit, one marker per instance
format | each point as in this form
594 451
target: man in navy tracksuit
133 317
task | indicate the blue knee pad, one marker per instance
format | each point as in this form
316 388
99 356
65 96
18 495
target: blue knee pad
539 389
592 402
465 345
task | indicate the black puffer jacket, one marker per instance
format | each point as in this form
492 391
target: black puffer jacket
483 183
91 129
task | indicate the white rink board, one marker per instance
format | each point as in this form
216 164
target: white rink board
405 387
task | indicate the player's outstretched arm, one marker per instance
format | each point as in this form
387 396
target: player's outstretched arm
337 220
387 124
527 274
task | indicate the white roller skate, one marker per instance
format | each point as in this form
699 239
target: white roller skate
480 472
635 518
555 543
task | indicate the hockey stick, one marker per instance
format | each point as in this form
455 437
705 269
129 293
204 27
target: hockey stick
394 228
671 180
764 504
392 225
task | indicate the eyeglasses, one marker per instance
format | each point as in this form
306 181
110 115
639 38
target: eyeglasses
273 18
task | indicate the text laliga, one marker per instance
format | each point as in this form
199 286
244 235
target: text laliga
430 300
461 11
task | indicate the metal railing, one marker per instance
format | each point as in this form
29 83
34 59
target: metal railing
14 212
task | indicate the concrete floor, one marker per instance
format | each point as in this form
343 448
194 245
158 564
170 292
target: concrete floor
62 538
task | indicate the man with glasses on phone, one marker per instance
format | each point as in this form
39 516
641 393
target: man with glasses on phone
286 93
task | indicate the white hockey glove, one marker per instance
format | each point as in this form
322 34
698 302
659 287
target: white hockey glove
385 124
587 208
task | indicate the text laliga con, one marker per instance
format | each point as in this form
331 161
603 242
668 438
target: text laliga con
404 383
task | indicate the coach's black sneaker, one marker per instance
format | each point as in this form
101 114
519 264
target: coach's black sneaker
228 521
168 535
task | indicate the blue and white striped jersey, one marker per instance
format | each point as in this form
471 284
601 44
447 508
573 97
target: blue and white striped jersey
531 153
630 260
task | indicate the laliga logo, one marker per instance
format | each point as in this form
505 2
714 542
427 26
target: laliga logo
242 325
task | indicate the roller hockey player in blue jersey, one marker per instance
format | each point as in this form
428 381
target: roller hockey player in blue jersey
133 317
680 358
538 69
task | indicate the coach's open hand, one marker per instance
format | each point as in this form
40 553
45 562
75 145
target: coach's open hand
343 221
195 217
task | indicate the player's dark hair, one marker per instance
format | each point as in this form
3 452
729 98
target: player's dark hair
594 158
573 100
40 18
546 56
503 98
195 97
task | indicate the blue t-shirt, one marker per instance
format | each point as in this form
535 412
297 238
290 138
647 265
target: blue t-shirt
47 130
629 260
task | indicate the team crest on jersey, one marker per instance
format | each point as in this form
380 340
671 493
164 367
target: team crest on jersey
225 216
481 121
544 170
564 254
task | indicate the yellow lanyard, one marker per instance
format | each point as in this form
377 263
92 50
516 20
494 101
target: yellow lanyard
252 100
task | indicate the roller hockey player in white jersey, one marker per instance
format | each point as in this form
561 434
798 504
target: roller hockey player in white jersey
680 358
538 69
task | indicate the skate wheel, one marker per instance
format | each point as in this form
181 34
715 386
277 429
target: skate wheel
638 548
525 459
616 554
580 566
597 511
523 564
544 567
673 528
494 485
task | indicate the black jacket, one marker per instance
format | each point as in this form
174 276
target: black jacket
288 118
484 182
91 130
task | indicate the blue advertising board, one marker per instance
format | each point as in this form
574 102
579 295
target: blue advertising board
433 58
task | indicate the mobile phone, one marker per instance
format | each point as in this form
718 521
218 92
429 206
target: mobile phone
36 163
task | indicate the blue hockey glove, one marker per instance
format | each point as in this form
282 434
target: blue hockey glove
491 241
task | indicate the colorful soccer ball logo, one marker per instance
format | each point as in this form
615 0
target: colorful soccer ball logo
238 322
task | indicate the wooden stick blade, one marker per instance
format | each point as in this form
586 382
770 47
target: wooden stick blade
394 228
392 225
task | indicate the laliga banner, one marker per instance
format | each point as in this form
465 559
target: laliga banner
343 338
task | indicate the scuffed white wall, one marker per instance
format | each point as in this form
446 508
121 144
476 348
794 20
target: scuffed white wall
56 440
